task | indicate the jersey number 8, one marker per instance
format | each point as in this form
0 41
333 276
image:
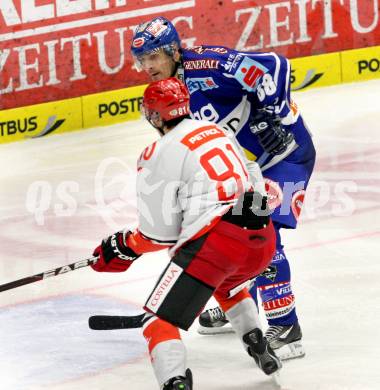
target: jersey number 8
267 87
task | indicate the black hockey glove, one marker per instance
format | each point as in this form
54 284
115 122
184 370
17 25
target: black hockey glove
272 137
114 254
251 212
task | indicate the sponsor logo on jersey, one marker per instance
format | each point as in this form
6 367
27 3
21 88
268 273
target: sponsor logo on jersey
249 73
202 135
207 63
297 203
275 194
234 120
202 50
311 77
206 113
200 83
157 28
233 62
372 65
270 273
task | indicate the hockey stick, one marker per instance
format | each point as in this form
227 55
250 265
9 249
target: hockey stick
48 274
116 322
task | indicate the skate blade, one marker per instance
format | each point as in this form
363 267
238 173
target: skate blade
215 330
276 379
290 351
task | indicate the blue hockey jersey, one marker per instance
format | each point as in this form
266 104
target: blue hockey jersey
228 87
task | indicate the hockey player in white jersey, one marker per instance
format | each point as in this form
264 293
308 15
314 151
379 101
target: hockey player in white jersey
197 197
250 94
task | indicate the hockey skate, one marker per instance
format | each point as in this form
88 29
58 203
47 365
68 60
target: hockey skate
286 341
214 321
259 348
180 382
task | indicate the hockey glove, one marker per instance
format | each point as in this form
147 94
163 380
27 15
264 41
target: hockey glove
114 254
251 212
272 137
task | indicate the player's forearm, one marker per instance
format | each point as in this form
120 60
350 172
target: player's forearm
141 244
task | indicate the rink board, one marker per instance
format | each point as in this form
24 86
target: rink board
40 120
112 107
361 64
121 105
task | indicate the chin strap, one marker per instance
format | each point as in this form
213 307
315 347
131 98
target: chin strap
160 130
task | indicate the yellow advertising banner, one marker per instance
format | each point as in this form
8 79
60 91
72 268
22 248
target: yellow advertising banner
40 120
315 71
111 107
361 64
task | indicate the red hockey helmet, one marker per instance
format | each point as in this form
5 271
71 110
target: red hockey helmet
165 100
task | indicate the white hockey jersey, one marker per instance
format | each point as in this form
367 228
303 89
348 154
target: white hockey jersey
189 177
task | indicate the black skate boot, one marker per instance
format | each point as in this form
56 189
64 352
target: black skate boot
286 340
214 321
180 382
260 350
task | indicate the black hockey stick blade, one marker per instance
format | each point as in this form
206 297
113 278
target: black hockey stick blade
116 322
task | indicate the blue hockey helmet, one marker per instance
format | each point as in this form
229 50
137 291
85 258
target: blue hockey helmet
153 35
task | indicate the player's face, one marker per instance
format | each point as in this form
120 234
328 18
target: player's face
157 64
154 118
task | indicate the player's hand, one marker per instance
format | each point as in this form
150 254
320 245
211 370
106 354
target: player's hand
272 137
114 254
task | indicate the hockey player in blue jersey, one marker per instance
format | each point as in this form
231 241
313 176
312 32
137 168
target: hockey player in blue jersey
249 94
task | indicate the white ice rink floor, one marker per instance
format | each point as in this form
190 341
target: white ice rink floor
61 194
